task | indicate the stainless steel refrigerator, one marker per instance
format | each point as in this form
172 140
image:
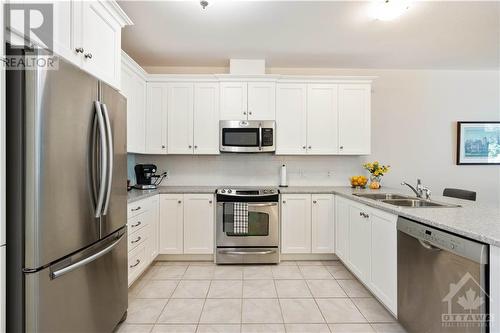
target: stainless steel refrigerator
66 202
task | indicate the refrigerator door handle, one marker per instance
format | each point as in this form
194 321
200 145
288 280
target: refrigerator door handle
104 159
110 157
95 256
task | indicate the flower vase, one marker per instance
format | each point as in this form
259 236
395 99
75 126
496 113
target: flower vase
375 182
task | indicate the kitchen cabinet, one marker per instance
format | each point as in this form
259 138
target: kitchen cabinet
198 224
142 231
248 100
88 34
291 117
180 118
171 224
296 223
206 118
322 223
366 242
156 118
133 87
354 119
322 115
186 223
3 289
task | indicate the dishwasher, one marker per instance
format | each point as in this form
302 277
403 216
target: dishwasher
442 281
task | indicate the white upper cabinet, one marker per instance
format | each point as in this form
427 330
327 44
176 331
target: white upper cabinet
322 138
133 87
291 119
233 100
322 224
248 100
68 30
261 101
156 118
206 118
180 118
354 118
296 223
199 223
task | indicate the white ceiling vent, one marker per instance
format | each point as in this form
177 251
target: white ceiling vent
247 66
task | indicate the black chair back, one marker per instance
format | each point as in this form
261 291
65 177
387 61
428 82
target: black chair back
460 194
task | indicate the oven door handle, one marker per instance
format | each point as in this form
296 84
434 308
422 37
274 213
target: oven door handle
251 204
247 252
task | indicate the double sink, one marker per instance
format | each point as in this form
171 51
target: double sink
403 200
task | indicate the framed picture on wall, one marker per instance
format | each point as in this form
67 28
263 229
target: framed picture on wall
478 142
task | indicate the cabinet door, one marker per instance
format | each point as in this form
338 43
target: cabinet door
156 118
262 100
322 223
233 100
383 272
134 89
359 242
322 119
171 223
291 119
67 34
342 228
198 224
101 36
296 223
354 118
206 118
153 228
180 118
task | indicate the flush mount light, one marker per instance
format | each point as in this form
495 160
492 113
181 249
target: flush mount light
204 3
386 10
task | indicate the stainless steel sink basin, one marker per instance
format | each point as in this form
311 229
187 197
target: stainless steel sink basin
416 203
381 196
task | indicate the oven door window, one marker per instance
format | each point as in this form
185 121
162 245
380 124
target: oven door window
258 223
240 137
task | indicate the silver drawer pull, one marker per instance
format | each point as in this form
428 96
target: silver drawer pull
136 209
137 262
135 241
137 224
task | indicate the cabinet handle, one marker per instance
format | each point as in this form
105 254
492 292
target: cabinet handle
250 113
137 262
195 147
284 201
136 225
209 201
179 201
303 147
88 55
137 240
245 113
162 146
79 50
360 213
341 147
314 201
309 147
136 209
190 146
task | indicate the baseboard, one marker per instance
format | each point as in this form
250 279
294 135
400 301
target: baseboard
308 256
185 257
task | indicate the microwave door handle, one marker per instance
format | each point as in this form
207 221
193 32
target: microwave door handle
260 136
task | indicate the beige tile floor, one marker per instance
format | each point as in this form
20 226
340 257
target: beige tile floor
292 297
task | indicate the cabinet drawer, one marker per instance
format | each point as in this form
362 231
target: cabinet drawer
136 262
137 238
136 208
136 223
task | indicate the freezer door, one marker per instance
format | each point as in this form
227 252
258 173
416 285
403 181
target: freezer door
58 128
86 292
114 107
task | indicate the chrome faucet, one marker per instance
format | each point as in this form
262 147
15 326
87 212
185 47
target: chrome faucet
420 190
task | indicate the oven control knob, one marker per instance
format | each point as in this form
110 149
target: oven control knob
266 191
229 191
222 191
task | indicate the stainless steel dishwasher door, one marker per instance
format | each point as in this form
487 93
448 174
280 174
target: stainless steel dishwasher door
442 281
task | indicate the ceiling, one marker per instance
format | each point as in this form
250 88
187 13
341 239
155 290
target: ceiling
433 35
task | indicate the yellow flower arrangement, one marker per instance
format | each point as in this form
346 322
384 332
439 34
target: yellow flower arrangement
376 169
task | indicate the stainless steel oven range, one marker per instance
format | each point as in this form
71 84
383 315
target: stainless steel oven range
255 237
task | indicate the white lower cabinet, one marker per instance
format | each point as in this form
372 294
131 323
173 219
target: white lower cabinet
142 228
366 241
307 223
186 223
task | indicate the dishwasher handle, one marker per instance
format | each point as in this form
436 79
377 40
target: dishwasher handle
429 246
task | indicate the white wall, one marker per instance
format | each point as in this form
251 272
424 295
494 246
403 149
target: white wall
414 114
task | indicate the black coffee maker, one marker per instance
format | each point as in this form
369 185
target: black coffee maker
146 177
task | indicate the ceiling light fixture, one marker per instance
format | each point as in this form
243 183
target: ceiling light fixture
204 3
386 10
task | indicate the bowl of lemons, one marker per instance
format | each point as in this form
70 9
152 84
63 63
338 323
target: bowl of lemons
358 181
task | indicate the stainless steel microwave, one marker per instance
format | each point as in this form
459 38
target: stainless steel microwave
247 136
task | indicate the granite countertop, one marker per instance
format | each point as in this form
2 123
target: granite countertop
473 220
